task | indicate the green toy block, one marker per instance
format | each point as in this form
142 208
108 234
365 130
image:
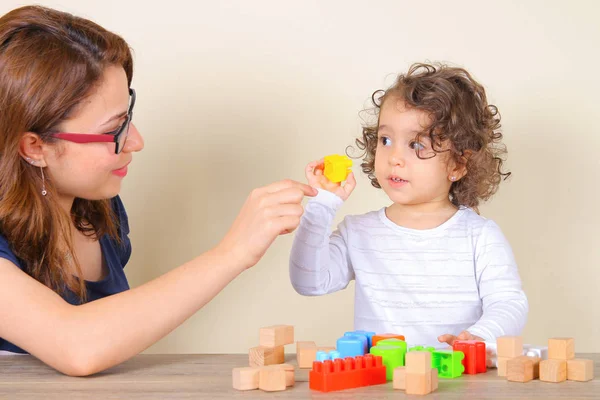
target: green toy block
393 357
448 363
395 342
422 348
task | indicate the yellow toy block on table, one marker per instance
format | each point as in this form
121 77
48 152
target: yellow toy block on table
336 168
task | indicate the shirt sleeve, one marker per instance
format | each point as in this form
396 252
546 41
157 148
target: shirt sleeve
319 261
505 305
7 253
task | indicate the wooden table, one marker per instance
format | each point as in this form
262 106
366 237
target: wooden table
209 377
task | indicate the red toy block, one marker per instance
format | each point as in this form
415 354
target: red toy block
475 355
384 336
349 373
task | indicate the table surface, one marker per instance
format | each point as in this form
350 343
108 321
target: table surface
206 376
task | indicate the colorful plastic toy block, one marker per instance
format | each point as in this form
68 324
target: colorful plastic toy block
323 355
475 355
384 336
448 363
352 345
422 348
336 167
348 373
393 357
367 334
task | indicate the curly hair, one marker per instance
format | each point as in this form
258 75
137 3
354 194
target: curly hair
462 123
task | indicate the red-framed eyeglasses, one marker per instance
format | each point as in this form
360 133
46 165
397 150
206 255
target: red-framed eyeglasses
118 136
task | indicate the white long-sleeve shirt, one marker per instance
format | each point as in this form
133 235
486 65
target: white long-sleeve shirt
461 275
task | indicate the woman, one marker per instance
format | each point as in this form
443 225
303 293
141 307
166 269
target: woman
66 139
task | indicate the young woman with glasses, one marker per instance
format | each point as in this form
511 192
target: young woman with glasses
66 140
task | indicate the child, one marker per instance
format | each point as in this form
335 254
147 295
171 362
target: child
428 266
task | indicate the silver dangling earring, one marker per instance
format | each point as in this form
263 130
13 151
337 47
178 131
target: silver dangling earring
44 192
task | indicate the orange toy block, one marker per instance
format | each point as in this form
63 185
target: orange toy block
377 338
245 378
509 346
400 378
418 383
561 348
553 371
326 349
580 370
418 362
306 353
276 335
272 379
261 356
523 369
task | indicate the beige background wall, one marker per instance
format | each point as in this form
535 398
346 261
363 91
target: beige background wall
237 94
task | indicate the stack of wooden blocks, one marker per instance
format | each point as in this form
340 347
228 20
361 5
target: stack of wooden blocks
510 348
417 377
562 365
267 370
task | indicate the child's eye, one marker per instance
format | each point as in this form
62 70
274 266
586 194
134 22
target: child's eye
386 141
416 145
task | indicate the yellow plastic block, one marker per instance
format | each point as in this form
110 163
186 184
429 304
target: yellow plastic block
337 168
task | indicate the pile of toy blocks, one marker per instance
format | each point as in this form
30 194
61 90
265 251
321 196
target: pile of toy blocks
267 370
363 358
555 363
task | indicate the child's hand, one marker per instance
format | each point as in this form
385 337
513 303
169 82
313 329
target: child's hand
316 179
464 335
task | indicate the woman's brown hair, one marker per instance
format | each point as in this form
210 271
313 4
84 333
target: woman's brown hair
49 62
460 116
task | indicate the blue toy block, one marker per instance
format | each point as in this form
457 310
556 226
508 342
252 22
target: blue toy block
323 355
367 334
351 346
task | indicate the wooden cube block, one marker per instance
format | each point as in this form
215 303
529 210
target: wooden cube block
553 370
523 369
276 335
509 346
306 353
580 370
245 378
400 378
434 379
418 383
261 356
290 373
418 362
503 365
561 348
272 379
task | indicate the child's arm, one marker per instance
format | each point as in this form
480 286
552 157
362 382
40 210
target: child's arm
319 261
505 305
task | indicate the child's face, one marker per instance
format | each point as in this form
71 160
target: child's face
406 178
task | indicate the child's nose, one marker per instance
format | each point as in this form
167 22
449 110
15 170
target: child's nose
398 157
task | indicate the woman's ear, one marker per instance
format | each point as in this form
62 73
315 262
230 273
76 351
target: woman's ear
30 148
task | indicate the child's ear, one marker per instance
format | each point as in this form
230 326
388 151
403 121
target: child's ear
458 169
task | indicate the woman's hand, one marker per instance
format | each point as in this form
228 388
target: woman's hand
268 212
